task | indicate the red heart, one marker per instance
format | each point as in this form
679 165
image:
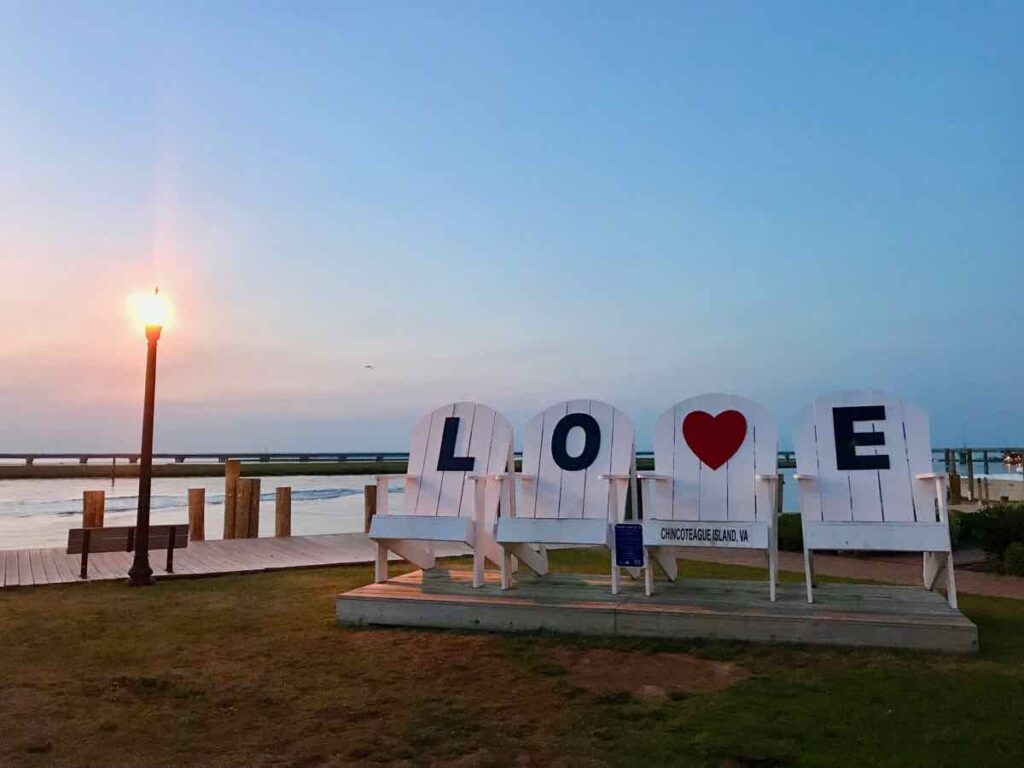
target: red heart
714 439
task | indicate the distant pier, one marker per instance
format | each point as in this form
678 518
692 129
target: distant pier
267 464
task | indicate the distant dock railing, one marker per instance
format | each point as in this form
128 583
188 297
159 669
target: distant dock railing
185 464
220 457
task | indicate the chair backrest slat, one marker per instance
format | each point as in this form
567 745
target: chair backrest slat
728 491
574 493
858 478
480 438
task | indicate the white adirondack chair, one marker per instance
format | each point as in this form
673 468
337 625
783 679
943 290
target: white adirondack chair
714 484
578 466
451 493
866 482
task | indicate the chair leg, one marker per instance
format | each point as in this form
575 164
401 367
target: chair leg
615 575
506 569
649 576
950 582
478 568
380 564
809 574
933 565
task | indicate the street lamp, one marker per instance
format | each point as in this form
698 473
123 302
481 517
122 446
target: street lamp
152 310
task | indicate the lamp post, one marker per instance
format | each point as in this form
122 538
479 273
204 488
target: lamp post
141 574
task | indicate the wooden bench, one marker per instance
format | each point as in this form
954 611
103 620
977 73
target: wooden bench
122 539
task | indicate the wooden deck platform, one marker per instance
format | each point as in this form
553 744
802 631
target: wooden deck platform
843 614
33 567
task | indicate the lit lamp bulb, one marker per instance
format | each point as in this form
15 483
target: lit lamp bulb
150 310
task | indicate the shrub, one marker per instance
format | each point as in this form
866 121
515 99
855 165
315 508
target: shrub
791 533
1013 562
963 533
956 528
999 526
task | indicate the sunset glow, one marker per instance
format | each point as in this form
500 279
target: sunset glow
150 309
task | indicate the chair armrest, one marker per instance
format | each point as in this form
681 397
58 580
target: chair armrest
804 478
613 477
765 477
654 476
930 476
396 477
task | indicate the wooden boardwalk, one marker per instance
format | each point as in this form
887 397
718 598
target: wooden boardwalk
842 614
34 567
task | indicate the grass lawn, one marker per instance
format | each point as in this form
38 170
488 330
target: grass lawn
252 670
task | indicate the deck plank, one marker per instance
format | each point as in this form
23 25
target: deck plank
842 614
49 566
67 565
28 567
24 569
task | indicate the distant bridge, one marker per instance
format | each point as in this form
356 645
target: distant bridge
120 463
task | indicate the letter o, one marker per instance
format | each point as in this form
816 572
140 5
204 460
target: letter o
591 441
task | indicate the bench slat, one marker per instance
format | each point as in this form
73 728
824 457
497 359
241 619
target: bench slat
119 539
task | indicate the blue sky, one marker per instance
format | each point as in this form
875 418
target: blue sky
506 202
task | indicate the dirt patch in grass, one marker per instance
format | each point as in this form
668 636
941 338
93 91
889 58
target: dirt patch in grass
646 675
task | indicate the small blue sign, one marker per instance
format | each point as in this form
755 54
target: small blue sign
629 545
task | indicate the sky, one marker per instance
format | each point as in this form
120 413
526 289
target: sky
512 203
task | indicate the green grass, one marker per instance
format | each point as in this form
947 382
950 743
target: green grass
252 670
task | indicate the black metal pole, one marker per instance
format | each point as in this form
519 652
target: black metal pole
141 574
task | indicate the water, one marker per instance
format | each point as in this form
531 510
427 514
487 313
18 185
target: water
38 513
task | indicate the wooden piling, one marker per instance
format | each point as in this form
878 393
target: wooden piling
232 469
254 509
369 505
955 492
283 512
984 460
93 506
197 514
970 473
243 500
247 508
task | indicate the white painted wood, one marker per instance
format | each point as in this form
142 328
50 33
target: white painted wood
423 454
524 530
446 505
549 475
735 498
416 552
380 563
919 462
422 528
728 493
454 485
572 490
552 505
805 444
685 467
901 508
894 537
525 498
